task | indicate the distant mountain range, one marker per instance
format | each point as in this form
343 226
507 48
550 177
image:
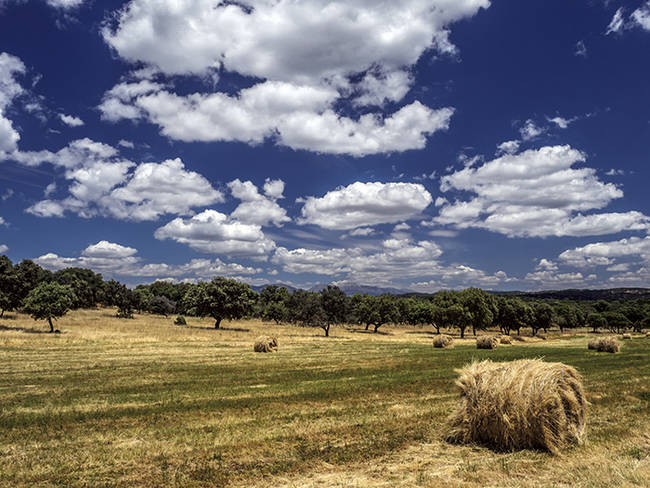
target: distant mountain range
571 294
348 288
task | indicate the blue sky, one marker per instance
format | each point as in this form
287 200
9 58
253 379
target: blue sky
416 144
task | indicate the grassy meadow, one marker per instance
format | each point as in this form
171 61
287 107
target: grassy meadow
145 403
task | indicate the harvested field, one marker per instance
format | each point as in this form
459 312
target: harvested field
146 403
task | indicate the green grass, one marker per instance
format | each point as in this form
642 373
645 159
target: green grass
144 403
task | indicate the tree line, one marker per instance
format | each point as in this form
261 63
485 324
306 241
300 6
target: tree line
47 295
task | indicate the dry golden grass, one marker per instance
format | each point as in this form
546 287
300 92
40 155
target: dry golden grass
525 404
144 403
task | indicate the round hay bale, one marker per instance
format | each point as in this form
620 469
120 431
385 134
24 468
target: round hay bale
487 342
627 337
524 404
593 343
506 340
443 341
266 344
608 344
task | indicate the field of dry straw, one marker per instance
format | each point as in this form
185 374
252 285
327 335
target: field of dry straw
146 403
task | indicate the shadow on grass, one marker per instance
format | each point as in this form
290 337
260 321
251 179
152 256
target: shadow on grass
228 329
372 332
26 330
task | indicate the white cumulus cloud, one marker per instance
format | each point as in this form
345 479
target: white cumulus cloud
536 193
10 66
215 233
307 57
366 204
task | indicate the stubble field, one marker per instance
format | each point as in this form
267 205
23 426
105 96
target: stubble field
145 403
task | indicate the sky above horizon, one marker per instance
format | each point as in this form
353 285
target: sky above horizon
414 144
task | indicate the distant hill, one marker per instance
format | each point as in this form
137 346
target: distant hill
259 288
571 294
354 288
606 294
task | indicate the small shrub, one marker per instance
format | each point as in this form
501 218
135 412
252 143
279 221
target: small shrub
180 320
124 312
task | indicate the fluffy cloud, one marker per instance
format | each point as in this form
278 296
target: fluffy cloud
307 56
3 248
641 16
553 279
297 116
10 66
396 260
536 193
366 204
303 42
71 120
257 208
117 260
103 183
105 249
605 253
215 233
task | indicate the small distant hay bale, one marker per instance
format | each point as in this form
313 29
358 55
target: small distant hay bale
266 344
608 344
443 341
593 344
524 404
487 342
627 337
506 339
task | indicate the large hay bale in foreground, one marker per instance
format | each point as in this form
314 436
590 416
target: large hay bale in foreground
506 340
443 341
524 404
487 342
266 344
608 344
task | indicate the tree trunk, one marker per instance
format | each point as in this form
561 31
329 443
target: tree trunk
462 332
2 313
519 331
367 326
377 327
49 320
217 323
474 330
326 328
